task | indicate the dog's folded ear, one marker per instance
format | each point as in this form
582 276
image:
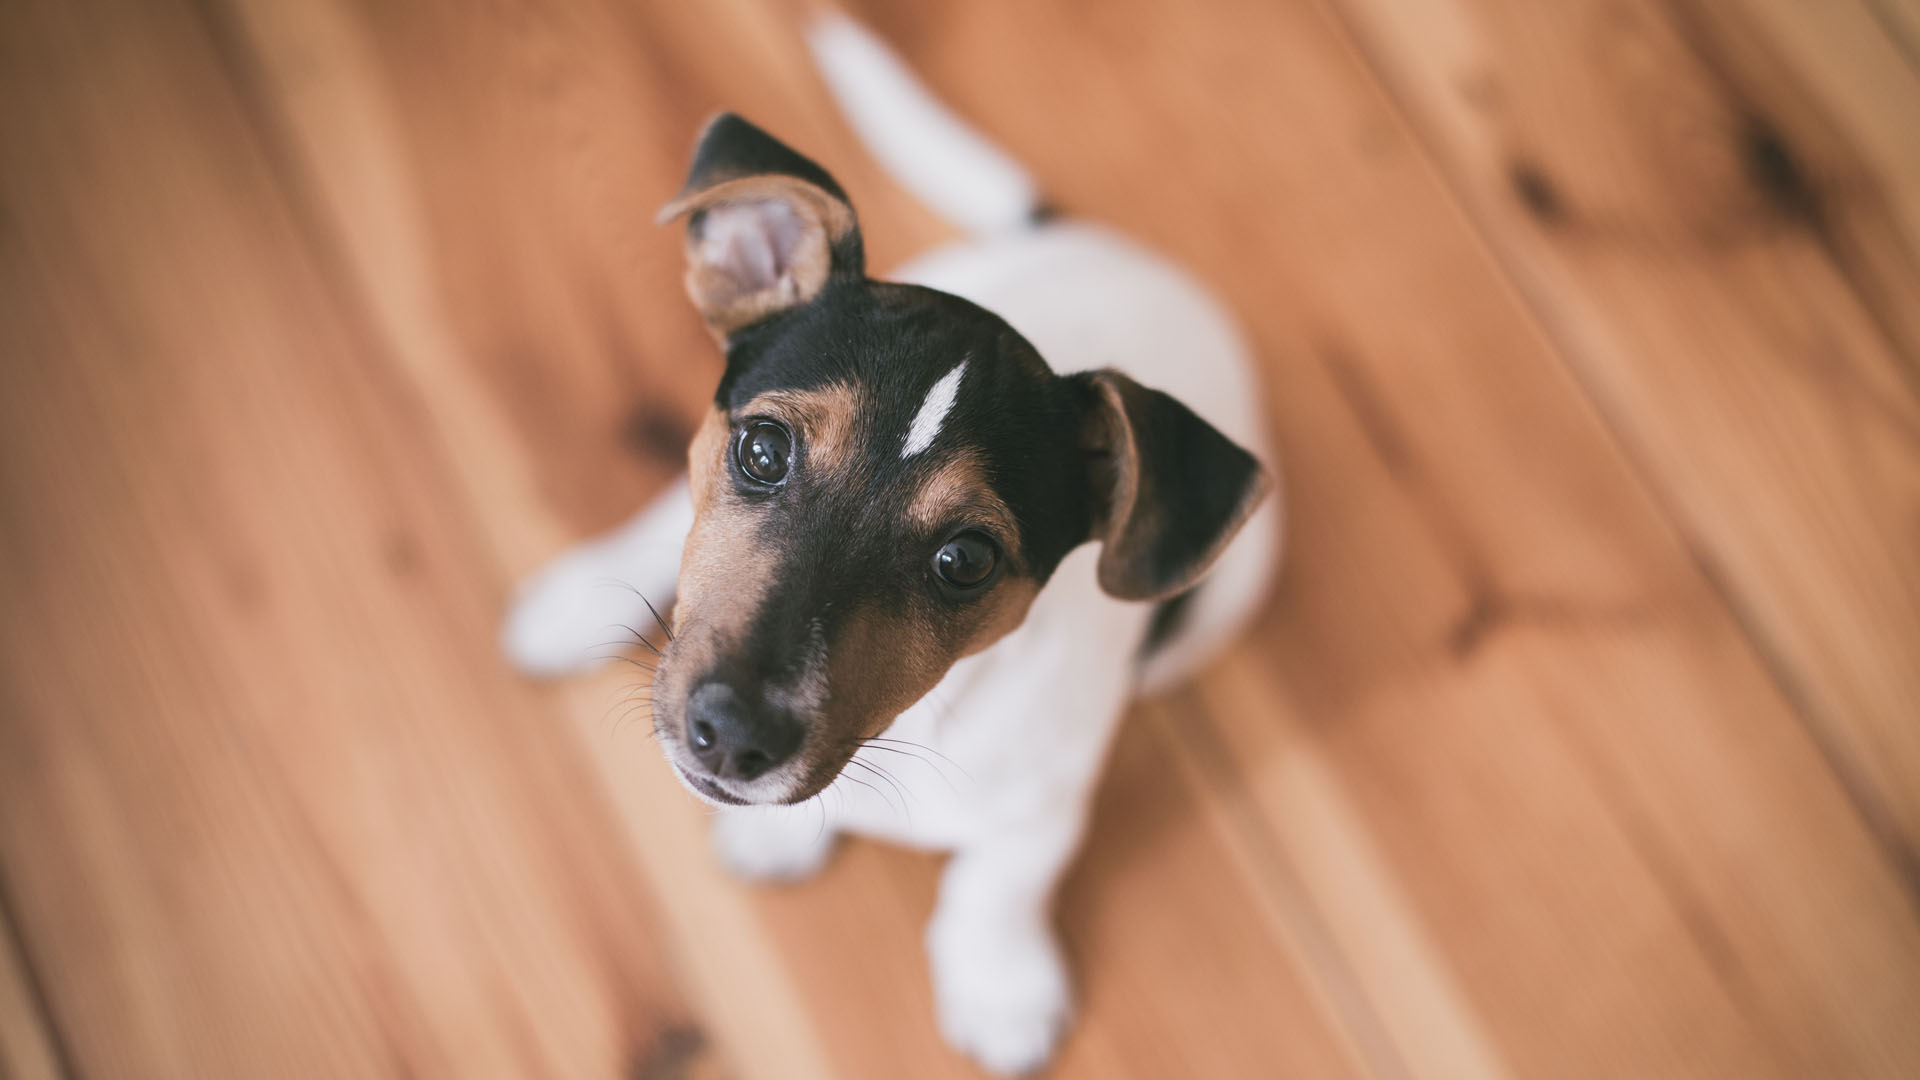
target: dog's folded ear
767 229
1169 490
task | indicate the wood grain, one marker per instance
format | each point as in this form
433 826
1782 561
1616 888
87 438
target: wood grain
28 1050
1724 242
1577 740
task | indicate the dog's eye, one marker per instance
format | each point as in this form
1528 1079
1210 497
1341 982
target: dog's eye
763 452
966 561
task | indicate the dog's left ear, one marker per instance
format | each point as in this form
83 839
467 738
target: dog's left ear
1169 490
767 229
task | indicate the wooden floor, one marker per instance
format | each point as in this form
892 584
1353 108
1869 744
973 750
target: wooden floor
1581 738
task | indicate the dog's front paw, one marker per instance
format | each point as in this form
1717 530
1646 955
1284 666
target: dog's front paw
772 844
1003 999
568 617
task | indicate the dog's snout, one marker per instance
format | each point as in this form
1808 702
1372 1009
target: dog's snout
737 739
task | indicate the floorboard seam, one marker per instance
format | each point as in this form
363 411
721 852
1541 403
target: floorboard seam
1327 962
38 998
1875 816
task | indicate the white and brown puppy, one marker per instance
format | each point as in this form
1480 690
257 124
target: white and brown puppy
920 571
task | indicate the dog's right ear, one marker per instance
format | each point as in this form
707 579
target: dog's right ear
1170 491
767 229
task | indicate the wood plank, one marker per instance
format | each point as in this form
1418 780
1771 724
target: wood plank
1833 87
1296 828
1899 21
29 1050
267 805
1848 77
1551 730
836 969
1721 237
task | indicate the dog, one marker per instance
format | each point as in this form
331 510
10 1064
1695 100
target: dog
935 533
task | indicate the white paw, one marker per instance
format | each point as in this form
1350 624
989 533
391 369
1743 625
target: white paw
568 617
1003 997
772 843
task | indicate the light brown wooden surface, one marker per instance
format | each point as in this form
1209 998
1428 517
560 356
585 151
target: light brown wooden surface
1582 737
1720 239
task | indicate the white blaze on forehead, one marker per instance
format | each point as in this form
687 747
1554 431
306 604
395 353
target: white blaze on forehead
933 411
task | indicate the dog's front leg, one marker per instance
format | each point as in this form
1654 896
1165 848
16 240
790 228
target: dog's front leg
774 843
581 607
999 979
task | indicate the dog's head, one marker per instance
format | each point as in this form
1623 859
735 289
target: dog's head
886 480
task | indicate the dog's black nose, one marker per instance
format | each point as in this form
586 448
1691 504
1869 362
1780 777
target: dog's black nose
735 739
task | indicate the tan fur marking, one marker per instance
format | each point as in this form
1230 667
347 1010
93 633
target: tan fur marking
1003 609
710 587
826 419
704 455
959 489
886 659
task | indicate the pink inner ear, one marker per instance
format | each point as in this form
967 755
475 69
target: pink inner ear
752 242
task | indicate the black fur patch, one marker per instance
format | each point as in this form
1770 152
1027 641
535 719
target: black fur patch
730 148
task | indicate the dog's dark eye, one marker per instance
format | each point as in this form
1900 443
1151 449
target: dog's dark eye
764 450
966 561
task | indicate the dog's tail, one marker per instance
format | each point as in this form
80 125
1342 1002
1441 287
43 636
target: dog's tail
928 149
